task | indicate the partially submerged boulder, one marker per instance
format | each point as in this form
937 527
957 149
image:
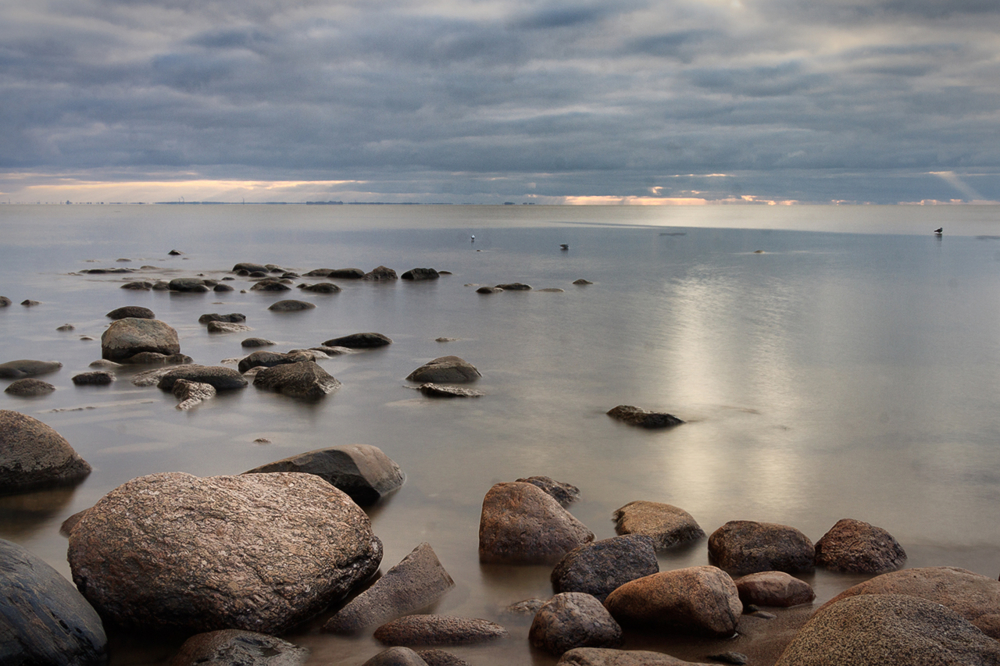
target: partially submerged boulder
666 524
190 285
29 387
359 341
27 368
134 311
636 416
235 647
321 288
227 327
125 338
233 317
304 379
774 588
420 274
601 567
588 656
33 455
854 546
380 274
220 377
94 378
744 546
571 620
432 390
191 394
260 552
564 493
445 369
291 305
438 630
397 656
269 359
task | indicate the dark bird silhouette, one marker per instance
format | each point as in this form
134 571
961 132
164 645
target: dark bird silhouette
939 231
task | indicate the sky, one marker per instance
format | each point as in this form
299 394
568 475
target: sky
485 101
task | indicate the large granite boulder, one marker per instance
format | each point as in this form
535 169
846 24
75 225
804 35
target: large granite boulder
438 630
571 620
220 377
417 274
127 337
133 311
588 656
415 583
696 599
29 387
774 588
971 595
889 630
522 524
637 416
33 455
359 341
27 368
446 369
235 647
601 567
854 546
362 471
44 620
260 552
304 379
745 546
380 274
666 524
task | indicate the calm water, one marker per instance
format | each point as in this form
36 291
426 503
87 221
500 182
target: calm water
851 369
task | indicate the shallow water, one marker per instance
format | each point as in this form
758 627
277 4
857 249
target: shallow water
848 370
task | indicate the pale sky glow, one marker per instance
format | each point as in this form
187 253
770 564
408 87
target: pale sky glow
545 101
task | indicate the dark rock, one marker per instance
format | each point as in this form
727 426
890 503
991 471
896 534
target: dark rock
28 303
256 342
551 290
270 284
774 588
668 525
446 369
191 394
571 620
346 274
745 546
359 341
297 380
380 274
441 391
154 358
221 378
33 455
249 267
438 630
581 282
322 272
564 493
441 658
321 288
854 546
274 268
514 286
134 311
175 253
106 271
95 378
396 656
260 552
227 327
521 524
4 302
525 607
443 339
416 582
138 285
608 657
696 599
234 317
189 285
44 620
489 290
268 360
601 567
235 647
125 338
27 368
222 287
420 274
291 305
362 471
889 630
640 417
290 275
29 388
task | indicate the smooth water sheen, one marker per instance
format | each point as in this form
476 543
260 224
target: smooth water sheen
850 369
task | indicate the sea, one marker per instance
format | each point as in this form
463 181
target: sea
829 362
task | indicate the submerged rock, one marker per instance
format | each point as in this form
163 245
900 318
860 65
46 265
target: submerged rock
440 391
29 388
154 358
27 368
135 311
269 359
256 342
125 338
321 288
420 274
514 286
854 546
138 285
745 546
235 647
189 285
4 302
304 379
33 455
438 630
234 317
571 620
270 284
587 656
291 305
445 369
640 417
380 274
668 525
249 267
359 341
489 290
95 378
227 327
218 376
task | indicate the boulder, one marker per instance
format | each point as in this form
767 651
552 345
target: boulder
489 290
222 287
635 416
260 552
571 620
362 471
249 267
218 376
33 455
564 493
233 317
601 567
270 284
227 327
415 583
304 379
291 305
432 390
774 588
269 359
4 302
256 342
668 525
155 358
28 303
235 647
345 274
853 546
190 394
587 656
189 285
521 524
396 656
445 369
44 620
514 286
29 388
971 595
380 274
889 630
696 599
359 341
133 311
581 282
745 546
95 378
420 274
138 285
321 288
438 630
27 368
125 338
66 328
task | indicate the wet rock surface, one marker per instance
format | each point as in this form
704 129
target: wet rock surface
95 378
774 588
291 305
418 274
601 567
29 387
445 370
33 455
745 546
304 379
854 546
359 341
227 327
125 338
235 647
27 368
233 317
641 418
571 620
666 524
220 377
134 311
432 390
438 630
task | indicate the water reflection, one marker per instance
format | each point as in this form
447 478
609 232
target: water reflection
22 516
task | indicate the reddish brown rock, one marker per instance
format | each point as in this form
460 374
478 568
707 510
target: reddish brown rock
127 337
33 455
774 588
853 546
666 524
238 648
745 546
573 619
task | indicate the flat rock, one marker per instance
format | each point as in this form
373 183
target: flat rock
635 416
44 620
321 288
420 274
33 455
362 471
291 305
227 327
438 630
125 338
260 552
345 274
441 391
269 359
29 387
359 341
564 493
601 567
235 647
191 394
514 286
488 290
889 630
256 342
581 282
134 311
571 620
668 525
696 599
28 303
95 378
415 583
521 524
587 656
774 588
304 379
233 317
744 546
27 368
221 378
445 369
138 285
189 285
380 274
854 546
249 267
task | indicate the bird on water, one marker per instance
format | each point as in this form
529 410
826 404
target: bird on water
939 231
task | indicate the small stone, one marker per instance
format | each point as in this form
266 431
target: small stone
29 303
438 630
445 369
29 387
514 286
489 290
291 305
96 378
581 282
359 341
66 328
640 417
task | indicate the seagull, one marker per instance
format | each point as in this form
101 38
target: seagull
473 238
939 231
564 246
